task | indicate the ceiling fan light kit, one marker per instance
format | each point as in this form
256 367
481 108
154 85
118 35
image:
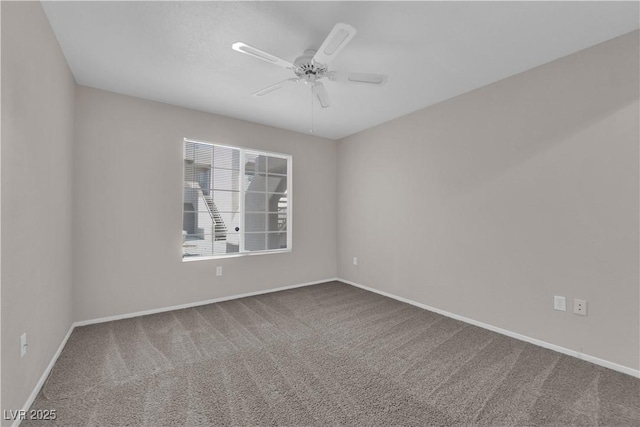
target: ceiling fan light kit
313 65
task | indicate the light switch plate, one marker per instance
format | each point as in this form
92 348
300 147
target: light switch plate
559 303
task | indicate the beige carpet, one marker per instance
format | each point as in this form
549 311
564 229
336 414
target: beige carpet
329 354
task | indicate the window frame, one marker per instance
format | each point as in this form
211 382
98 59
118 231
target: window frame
244 151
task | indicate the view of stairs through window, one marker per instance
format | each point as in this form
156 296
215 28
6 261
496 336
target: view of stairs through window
220 229
234 201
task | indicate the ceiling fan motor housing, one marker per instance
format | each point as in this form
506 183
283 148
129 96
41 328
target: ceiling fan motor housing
307 69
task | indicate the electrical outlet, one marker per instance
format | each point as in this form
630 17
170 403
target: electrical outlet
559 303
579 307
218 271
355 260
23 344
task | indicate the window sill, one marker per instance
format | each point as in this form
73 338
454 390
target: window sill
236 255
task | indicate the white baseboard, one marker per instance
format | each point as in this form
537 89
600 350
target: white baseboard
586 357
196 304
44 376
559 349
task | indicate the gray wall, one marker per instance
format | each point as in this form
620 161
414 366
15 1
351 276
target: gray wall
37 137
128 207
489 204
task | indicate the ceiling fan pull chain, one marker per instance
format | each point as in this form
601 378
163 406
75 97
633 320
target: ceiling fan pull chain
311 130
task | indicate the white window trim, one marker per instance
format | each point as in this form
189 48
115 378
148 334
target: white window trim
243 152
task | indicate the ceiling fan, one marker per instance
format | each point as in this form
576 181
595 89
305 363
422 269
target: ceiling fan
313 66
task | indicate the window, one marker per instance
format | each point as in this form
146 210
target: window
235 201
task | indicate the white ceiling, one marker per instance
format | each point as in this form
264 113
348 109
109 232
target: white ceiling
180 52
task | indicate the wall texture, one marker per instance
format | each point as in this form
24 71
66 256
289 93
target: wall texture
37 138
489 204
128 207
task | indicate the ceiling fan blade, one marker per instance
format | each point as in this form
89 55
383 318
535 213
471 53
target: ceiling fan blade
367 78
275 87
337 39
261 54
320 93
